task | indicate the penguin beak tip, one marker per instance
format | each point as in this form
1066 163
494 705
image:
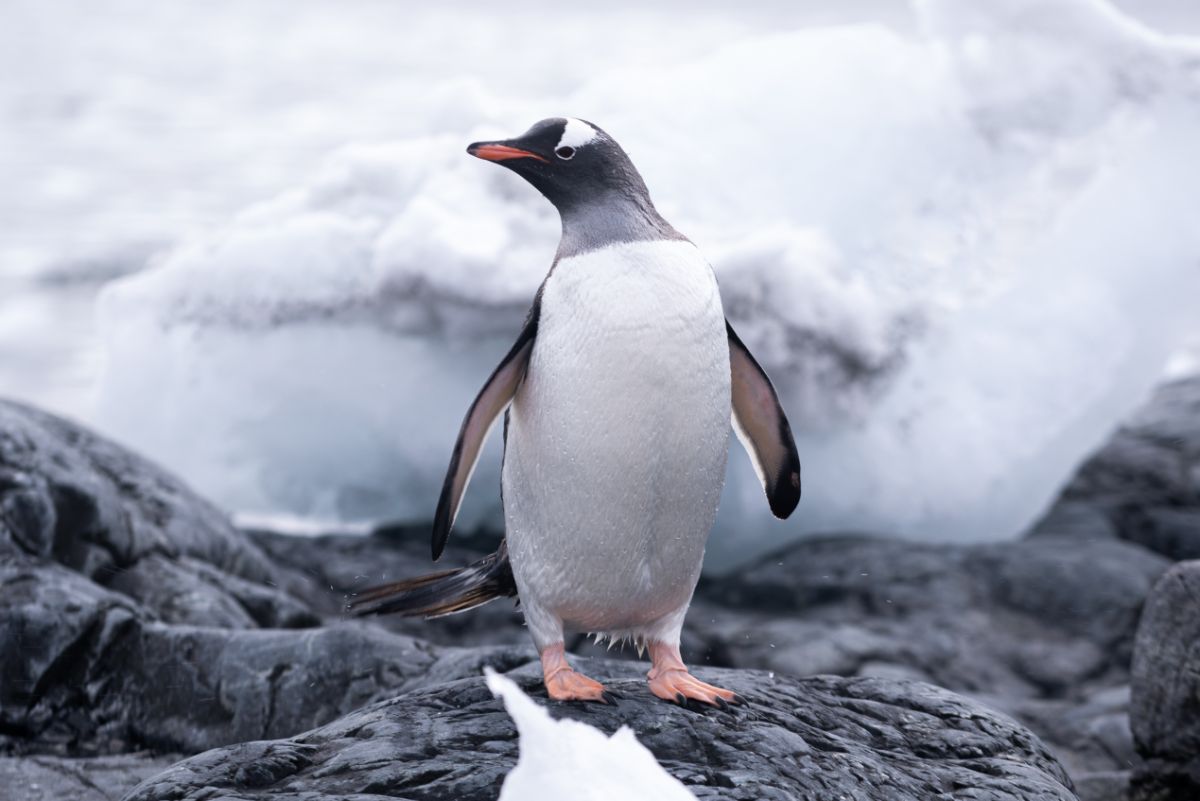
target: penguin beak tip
494 151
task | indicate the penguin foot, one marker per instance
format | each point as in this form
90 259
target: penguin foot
570 685
671 681
679 687
564 683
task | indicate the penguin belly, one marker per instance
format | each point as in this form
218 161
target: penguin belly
617 441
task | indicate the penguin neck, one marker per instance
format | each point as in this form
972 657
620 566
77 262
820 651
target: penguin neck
609 220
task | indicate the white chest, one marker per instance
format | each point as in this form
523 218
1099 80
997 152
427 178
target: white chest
617 440
630 337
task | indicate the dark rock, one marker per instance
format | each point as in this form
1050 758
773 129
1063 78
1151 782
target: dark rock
87 671
130 613
50 778
1165 706
57 627
326 571
1090 737
1143 485
1035 618
193 689
1172 531
821 737
1038 628
144 621
69 495
1075 520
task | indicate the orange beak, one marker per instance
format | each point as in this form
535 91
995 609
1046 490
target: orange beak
494 152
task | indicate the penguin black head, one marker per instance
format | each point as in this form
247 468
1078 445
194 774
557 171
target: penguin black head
570 161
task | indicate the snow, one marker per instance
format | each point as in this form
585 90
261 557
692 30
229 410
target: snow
960 243
571 761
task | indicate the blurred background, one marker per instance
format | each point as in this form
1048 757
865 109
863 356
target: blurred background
245 239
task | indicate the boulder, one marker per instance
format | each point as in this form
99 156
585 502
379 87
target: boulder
87 671
148 625
134 615
71 497
1165 703
1037 618
822 737
1143 485
327 570
52 778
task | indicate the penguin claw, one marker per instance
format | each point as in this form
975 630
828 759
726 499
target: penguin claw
681 687
569 685
608 698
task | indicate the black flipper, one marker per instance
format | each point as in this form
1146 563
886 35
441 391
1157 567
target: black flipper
444 593
763 428
492 400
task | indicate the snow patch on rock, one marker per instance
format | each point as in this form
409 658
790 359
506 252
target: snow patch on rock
572 761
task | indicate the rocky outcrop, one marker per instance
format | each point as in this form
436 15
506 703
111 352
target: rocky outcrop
134 616
1143 485
52 778
146 628
823 737
77 500
142 626
1165 708
327 570
1028 619
1042 629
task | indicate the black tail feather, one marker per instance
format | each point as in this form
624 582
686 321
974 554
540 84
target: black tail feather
443 593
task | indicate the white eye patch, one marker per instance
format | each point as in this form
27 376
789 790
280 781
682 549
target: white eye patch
576 133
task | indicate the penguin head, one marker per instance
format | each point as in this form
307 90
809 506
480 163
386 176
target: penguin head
570 161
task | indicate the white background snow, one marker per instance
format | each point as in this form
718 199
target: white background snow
244 237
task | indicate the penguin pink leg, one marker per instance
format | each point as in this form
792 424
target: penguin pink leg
566 684
671 681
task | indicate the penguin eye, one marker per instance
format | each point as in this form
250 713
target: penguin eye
565 153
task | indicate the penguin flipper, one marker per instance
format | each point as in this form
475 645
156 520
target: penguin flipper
763 428
491 401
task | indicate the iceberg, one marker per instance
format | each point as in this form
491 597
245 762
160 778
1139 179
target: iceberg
962 254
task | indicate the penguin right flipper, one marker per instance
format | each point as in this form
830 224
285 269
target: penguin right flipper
763 428
492 400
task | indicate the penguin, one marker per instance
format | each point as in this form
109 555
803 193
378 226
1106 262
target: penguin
618 398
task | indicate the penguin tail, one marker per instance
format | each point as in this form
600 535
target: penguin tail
445 593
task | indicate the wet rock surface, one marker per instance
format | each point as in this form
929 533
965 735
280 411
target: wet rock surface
1165 708
1042 629
74 499
141 627
137 622
52 778
1143 485
824 737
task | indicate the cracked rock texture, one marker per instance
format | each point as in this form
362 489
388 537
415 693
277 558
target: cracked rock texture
1143 485
140 627
1165 707
824 737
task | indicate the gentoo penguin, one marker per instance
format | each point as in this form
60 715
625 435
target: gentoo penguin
619 394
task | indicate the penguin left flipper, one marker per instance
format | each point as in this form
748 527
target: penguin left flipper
763 429
491 401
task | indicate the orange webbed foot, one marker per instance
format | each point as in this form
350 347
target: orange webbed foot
671 681
564 683
571 685
679 686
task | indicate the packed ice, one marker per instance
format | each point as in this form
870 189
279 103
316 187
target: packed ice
962 251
